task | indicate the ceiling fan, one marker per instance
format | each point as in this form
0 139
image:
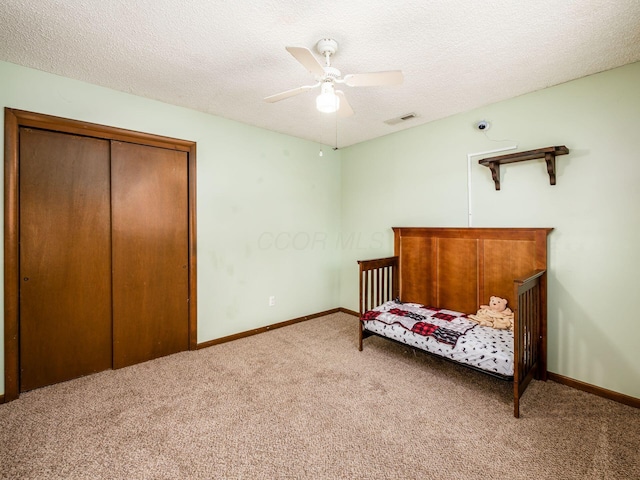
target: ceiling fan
327 77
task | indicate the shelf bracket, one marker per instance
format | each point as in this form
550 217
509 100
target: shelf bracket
550 158
495 173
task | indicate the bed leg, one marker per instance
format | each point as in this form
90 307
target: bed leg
516 407
359 335
542 373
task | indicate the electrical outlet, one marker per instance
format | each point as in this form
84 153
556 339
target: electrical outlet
272 300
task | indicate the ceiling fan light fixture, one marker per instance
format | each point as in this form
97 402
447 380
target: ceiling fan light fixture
327 77
327 101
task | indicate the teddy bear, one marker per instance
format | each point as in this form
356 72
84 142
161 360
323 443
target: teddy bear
496 314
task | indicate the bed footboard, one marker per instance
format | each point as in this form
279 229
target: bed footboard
529 334
378 284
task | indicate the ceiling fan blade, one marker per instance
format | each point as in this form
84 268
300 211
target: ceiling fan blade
344 110
289 93
391 77
307 59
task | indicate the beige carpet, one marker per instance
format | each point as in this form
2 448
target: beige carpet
302 402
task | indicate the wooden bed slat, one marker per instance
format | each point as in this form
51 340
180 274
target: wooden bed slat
373 291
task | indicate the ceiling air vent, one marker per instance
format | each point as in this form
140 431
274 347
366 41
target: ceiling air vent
401 118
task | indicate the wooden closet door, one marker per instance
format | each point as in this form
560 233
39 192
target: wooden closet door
150 252
65 257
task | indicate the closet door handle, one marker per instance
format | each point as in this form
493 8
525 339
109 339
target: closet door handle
26 279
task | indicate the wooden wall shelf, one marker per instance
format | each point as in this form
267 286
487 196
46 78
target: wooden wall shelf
549 155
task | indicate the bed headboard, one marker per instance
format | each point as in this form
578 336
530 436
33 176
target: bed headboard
460 268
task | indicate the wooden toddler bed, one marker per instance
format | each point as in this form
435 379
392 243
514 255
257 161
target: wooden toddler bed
404 297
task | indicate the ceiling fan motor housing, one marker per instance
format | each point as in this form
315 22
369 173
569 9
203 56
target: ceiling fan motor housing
331 73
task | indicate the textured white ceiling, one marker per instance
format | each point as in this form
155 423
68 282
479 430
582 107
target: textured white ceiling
224 57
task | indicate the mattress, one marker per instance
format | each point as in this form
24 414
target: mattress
445 333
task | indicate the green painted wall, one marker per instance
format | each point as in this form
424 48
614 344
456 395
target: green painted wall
267 204
275 219
418 177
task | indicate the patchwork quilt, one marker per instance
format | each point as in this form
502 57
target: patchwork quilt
444 332
422 320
